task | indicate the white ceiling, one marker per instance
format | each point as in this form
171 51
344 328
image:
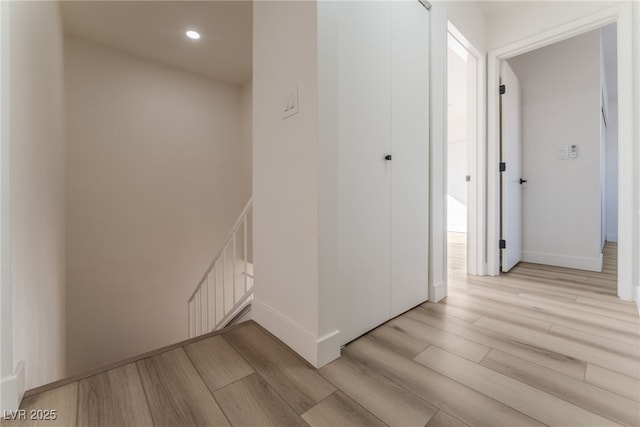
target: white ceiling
155 30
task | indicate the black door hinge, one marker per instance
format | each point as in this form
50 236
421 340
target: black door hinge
503 89
503 244
503 166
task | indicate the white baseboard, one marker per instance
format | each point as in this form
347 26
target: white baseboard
638 298
439 292
12 390
611 237
329 348
579 263
317 351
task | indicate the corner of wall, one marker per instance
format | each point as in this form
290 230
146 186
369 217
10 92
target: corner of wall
438 126
316 351
285 176
11 390
36 194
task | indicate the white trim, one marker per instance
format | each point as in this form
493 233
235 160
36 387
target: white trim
475 212
580 263
426 4
437 154
6 301
611 237
317 351
329 347
439 292
621 14
12 390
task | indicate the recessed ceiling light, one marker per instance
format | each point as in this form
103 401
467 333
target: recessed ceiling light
194 35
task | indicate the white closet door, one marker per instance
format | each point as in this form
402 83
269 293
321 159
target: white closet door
410 146
364 174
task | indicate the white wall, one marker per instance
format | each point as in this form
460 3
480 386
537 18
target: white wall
155 173
469 19
636 154
246 135
457 137
604 107
527 18
457 170
611 172
561 107
37 191
285 174
9 394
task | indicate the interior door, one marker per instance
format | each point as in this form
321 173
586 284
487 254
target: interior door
364 190
510 155
410 164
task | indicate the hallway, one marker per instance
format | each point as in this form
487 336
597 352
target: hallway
538 346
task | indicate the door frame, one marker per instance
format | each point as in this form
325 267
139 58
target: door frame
476 153
621 15
11 381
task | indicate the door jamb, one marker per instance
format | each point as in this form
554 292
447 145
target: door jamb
476 251
621 15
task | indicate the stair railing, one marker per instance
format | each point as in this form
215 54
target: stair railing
227 285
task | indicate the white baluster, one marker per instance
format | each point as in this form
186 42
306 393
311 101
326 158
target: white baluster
224 281
244 255
234 269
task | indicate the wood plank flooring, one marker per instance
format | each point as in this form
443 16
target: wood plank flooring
537 346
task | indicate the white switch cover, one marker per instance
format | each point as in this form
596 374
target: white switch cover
290 102
573 151
563 154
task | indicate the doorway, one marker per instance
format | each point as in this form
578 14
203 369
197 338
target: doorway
552 155
464 134
619 15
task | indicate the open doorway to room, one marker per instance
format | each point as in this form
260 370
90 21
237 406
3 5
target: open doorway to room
621 15
463 136
555 117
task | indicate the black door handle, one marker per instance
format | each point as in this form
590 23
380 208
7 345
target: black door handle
522 181
387 157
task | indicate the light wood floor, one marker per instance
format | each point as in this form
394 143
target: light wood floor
538 346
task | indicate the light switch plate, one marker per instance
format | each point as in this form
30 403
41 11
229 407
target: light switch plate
290 102
563 154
